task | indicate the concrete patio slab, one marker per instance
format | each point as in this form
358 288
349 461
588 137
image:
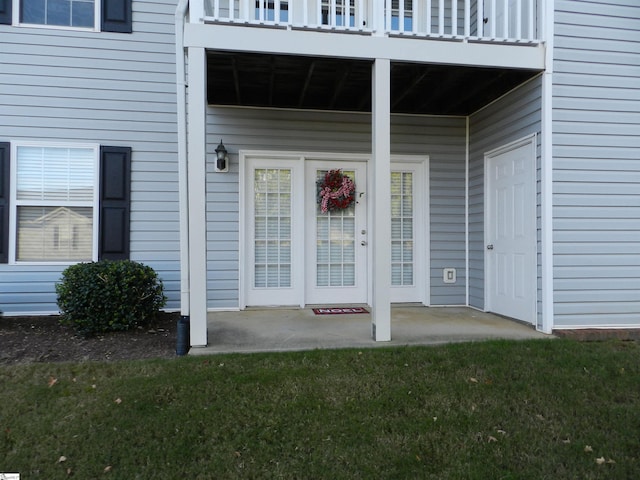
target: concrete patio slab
291 329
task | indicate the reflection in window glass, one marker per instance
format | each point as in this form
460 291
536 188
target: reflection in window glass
54 203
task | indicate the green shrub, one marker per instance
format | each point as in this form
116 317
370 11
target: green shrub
106 296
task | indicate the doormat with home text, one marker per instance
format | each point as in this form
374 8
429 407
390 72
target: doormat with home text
339 310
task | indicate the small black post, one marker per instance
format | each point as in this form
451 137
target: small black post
182 344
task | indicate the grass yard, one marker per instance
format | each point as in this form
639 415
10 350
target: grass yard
497 410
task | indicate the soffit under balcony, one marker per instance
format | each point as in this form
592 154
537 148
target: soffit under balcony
321 83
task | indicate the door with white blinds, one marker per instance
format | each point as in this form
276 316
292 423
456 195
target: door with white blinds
336 241
407 233
272 263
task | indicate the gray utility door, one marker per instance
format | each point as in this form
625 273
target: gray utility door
510 234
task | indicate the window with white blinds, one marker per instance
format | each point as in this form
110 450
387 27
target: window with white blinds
54 200
272 227
336 240
402 231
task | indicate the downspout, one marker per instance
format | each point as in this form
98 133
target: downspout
183 184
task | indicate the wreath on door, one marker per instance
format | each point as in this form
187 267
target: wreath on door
336 191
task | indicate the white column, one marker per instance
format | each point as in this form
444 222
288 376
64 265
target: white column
546 172
196 165
380 200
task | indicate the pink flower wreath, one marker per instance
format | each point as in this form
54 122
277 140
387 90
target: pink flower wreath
336 191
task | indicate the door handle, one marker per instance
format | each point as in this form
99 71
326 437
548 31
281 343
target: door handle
490 246
363 243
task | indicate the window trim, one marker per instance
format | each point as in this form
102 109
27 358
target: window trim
15 203
97 19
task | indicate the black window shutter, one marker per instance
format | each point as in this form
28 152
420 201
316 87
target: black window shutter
5 12
4 202
115 188
116 16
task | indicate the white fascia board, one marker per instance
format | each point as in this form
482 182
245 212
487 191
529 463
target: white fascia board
346 45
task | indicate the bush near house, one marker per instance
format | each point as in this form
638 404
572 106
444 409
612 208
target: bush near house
106 296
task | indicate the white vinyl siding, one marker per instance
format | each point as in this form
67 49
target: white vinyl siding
73 86
596 120
441 138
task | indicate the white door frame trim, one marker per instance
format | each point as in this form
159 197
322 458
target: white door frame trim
423 255
299 158
523 141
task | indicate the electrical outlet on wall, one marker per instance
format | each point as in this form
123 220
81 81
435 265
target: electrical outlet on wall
449 275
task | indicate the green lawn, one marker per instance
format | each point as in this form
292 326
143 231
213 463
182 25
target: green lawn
497 410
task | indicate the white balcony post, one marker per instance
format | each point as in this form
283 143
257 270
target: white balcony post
531 33
480 20
505 19
196 11
416 17
493 18
467 18
518 33
380 200
428 15
305 14
378 17
196 165
454 17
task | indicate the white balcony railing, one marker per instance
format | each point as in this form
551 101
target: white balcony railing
482 20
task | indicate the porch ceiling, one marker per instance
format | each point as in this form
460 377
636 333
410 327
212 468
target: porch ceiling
287 81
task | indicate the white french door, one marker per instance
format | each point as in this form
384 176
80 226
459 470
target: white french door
335 241
272 273
510 233
408 235
294 254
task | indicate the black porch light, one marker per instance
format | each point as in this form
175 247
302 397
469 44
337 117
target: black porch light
221 158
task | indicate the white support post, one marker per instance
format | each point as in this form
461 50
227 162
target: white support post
380 200
196 164
546 172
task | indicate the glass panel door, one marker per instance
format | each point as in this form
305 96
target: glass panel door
272 228
409 265
402 239
336 240
272 248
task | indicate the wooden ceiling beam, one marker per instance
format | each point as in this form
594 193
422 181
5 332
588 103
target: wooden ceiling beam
408 90
303 92
236 79
340 85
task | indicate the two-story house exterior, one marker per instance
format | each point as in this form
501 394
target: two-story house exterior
494 146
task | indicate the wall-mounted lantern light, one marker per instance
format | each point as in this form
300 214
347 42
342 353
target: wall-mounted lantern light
222 158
